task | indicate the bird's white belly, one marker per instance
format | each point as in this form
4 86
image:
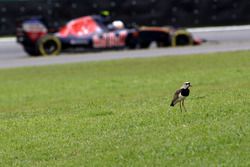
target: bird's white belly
180 97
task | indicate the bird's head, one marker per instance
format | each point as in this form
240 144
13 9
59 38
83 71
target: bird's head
186 85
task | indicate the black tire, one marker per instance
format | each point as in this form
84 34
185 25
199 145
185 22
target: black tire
49 45
182 40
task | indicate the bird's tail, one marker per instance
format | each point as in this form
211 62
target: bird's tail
172 104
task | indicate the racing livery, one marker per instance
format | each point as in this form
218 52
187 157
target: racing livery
92 33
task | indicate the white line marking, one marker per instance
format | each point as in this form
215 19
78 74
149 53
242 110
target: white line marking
8 39
220 28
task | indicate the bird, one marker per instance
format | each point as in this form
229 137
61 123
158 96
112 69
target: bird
180 95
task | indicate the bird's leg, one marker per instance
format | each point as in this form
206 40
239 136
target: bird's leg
180 106
184 106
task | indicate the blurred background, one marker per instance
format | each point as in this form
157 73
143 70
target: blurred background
181 13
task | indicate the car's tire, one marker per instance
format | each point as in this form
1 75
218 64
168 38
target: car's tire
49 45
182 38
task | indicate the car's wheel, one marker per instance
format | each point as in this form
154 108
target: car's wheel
49 45
182 38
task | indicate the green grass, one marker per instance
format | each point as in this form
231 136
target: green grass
115 113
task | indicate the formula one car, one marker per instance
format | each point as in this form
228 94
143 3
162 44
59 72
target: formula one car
92 33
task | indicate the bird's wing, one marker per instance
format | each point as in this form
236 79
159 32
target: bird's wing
176 95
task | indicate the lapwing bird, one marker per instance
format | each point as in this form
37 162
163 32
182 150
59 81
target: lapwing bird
180 95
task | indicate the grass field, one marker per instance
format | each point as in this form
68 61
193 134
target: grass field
115 113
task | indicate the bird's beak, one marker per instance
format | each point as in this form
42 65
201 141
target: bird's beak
190 85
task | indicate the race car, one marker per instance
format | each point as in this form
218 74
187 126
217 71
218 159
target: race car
93 33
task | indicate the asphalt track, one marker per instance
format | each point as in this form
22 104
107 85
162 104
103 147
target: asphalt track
218 40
